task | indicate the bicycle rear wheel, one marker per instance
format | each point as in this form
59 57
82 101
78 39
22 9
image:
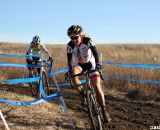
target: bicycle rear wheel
94 110
45 83
34 86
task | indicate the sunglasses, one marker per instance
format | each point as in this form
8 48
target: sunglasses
74 37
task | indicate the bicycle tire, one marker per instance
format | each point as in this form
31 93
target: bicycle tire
93 109
45 83
34 86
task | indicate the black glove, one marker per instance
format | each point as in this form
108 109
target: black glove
50 59
67 75
99 66
30 60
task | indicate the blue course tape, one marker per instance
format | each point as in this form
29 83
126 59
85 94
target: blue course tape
18 65
59 71
21 55
132 79
66 84
61 85
24 80
13 65
133 65
34 102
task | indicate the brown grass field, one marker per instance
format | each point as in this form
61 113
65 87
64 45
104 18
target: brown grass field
132 105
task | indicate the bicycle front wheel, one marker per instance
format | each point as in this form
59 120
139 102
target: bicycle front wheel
34 86
45 83
94 110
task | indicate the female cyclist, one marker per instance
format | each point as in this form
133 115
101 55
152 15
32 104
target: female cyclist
82 55
36 47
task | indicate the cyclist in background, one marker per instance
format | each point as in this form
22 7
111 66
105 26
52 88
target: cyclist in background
83 55
36 47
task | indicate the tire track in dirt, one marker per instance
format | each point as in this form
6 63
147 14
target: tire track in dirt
126 114
132 115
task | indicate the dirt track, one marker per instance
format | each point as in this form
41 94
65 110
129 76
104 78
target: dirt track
133 115
125 114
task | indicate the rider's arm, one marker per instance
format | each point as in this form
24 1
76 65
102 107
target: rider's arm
46 50
95 53
70 47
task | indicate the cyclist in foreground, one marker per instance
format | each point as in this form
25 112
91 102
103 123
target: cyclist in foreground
82 55
36 47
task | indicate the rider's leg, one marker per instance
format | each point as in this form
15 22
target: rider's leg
77 84
38 63
30 63
100 97
98 89
84 67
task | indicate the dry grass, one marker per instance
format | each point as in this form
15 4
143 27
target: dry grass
49 116
136 53
44 116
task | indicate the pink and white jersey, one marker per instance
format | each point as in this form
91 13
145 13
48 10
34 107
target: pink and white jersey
85 52
82 54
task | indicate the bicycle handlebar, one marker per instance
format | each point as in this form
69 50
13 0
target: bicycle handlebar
46 61
87 72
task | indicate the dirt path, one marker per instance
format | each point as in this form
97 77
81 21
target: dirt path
125 114
133 115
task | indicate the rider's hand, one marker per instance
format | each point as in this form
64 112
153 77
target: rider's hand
50 59
30 60
99 66
67 75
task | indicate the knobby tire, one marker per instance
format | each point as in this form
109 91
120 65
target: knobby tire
34 86
93 108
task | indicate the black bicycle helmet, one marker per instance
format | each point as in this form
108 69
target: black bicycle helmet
74 30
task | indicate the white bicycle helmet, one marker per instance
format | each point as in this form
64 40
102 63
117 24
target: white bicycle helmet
36 39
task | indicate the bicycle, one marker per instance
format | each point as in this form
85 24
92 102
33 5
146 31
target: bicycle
95 112
38 71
